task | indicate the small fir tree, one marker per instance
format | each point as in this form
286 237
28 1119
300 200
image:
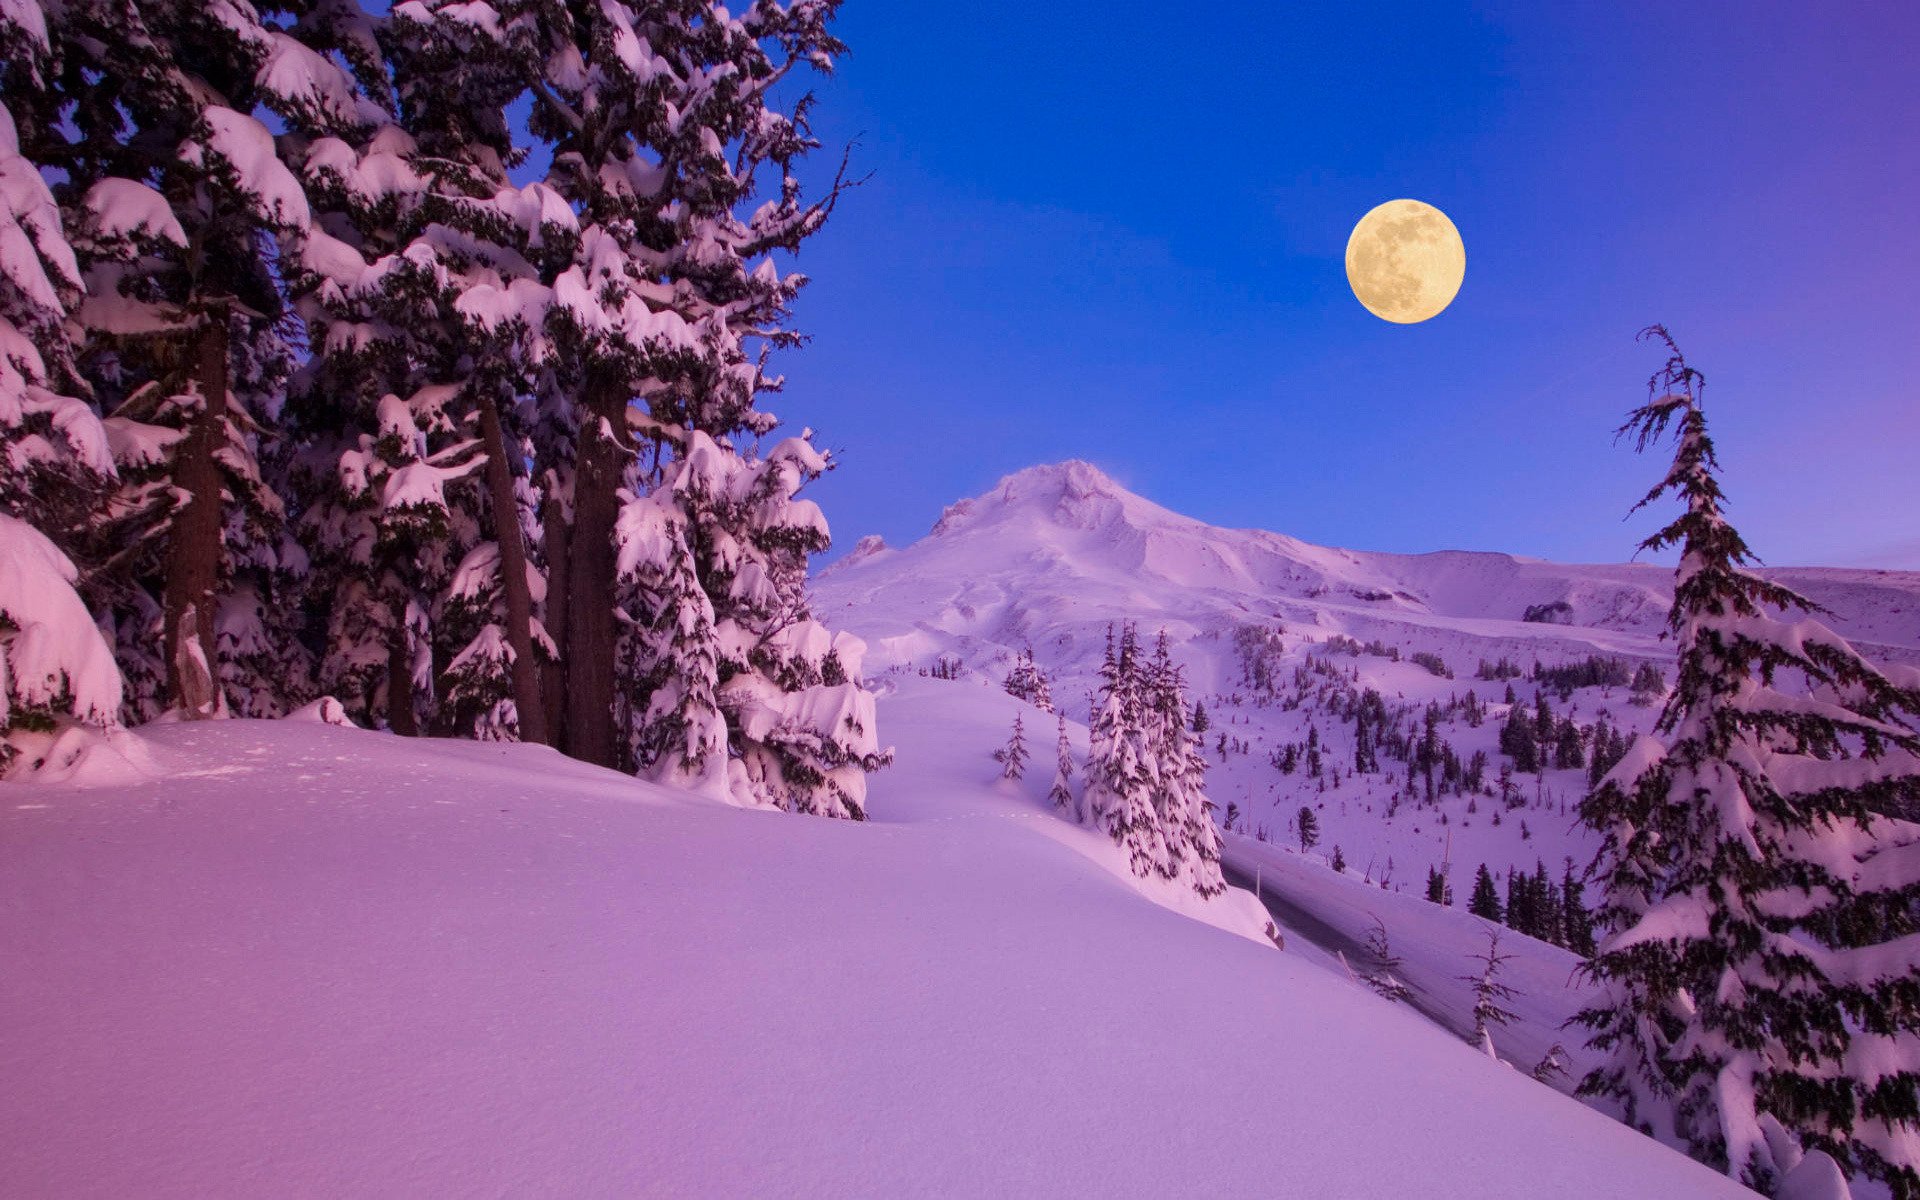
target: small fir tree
1061 793
1013 756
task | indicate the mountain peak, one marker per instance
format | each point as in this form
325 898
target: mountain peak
1074 478
1073 492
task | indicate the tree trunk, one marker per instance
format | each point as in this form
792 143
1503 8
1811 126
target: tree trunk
591 631
191 593
400 714
553 516
529 705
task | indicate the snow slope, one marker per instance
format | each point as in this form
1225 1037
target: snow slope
304 960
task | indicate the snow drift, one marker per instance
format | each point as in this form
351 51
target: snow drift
311 960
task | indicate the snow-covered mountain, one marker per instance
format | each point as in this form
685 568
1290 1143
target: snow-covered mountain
1054 555
1056 550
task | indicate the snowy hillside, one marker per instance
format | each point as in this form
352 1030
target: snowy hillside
307 960
1282 640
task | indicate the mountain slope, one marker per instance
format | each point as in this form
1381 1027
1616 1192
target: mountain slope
302 960
1054 555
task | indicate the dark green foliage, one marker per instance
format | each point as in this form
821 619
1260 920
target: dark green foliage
1485 901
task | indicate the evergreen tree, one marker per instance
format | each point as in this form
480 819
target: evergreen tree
1439 891
1028 682
1061 793
1520 912
1384 979
1517 740
1200 722
1490 996
181 210
1013 756
1485 901
1339 860
56 451
421 284
1309 828
55 670
1576 921
1758 914
1549 921
1179 772
1568 751
1120 777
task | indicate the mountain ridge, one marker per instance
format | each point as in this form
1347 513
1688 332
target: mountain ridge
1040 528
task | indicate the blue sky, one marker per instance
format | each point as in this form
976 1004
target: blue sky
1115 231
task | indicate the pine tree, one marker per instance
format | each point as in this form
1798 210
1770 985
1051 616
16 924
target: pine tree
1179 771
1339 860
1485 901
1439 891
1518 742
1061 793
1549 921
1013 756
1490 996
1120 774
1568 752
421 282
1384 979
1028 682
56 672
1755 904
56 450
181 209
1309 828
1520 915
1575 919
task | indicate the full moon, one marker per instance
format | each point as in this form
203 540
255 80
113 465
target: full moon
1405 261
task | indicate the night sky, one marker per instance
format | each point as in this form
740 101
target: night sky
1115 231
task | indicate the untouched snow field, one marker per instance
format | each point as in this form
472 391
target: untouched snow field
311 961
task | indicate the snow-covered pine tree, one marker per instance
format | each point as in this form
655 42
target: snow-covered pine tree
1120 776
394 532
1307 825
423 277
1028 682
1760 914
179 207
1061 793
56 455
1012 757
55 669
1179 771
659 122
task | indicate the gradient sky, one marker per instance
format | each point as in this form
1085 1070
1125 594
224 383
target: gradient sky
1115 231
